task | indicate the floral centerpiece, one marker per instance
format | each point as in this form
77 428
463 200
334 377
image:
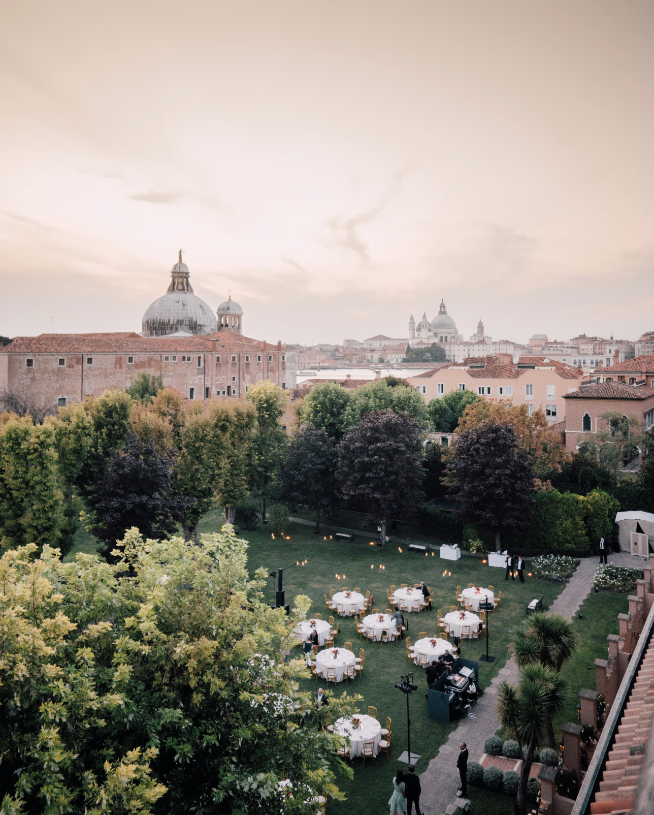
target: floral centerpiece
335 653
462 615
381 618
356 723
348 594
433 642
312 623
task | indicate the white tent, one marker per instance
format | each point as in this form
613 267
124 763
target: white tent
634 528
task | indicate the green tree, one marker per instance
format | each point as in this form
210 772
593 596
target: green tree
308 475
491 479
617 442
379 466
558 523
30 497
582 474
139 687
270 442
600 511
524 712
324 407
435 353
145 387
549 640
433 464
379 396
445 412
236 463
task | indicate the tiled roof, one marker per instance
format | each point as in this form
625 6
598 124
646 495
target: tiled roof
636 364
428 374
493 369
611 390
129 342
378 337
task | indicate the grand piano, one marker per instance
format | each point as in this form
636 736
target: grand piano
446 697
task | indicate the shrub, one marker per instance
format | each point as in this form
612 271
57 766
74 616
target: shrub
510 783
493 778
549 757
533 788
475 774
493 746
566 784
616 578
440 523
554 567
588 733
558 523
477 547
247 515
536 756
511 749
279 519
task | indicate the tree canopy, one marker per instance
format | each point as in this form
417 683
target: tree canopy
379 396
445 412
145 387
435 353
324 407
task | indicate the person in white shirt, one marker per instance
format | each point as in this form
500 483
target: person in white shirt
471 693
603 551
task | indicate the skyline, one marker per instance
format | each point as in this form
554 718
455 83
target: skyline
338 169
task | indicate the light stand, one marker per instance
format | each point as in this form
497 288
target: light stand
407 687
488 607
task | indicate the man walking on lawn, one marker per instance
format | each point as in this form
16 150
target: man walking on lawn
412 786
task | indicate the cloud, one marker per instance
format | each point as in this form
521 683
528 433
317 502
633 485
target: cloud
153 197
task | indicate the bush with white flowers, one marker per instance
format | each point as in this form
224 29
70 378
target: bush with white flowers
554 567
616 578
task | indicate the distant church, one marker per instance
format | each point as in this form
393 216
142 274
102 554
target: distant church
441 329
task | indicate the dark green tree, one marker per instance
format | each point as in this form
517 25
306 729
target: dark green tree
308 475
379 466
491 479
583 474
435 353
269 442
434 466
145 387
445 412
379 396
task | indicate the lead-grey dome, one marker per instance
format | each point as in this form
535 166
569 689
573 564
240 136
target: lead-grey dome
229 307
443 320
179 309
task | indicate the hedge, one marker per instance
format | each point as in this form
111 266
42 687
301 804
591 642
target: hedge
493 778
493 746
511 749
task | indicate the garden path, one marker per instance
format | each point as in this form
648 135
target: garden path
440 781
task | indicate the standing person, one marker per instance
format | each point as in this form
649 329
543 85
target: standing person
432 672
603 551
462 766
509 566
398 619
425 594
321 697
412 783
397 801
521 568
307 647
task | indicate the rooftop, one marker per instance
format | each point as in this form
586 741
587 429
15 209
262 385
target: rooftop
611 390
637 364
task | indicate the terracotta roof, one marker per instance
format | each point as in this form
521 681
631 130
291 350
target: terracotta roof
494 369
129 342
635 364
378 337
428 374
611 390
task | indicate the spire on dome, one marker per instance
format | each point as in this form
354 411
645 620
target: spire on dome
180 275
442 309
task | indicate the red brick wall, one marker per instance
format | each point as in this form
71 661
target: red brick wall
577 407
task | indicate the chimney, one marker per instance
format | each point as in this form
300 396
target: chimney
348 376
377 374
599 363
616 356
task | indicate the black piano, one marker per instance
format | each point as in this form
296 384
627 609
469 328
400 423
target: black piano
446 697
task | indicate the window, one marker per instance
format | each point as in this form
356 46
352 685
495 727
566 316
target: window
283 358
632 380
233 379
649 420
61 401
199 362
191 393
62 362
651 384
586 423
247 357
206 393
29 362
440 388
269 357
551 392
167 359
233 357
187 358
505 390
259 358
550 411
89 360
608 361
217 359
461 386
130 360
529 391
531 409
483 390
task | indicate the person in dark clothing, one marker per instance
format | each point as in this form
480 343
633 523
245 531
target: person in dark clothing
321 697
412 788
448 661
462 766
425 594
398 619
509 567
313 638
432 672
521 568
307 648
603 551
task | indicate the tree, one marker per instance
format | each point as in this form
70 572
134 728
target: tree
26 403
491 478
617 442
308 475
535 435
601 509
235 465
379 465
549 640
583 473
435 353
379 396
445 412
4 341
558 523
324 407
433 464
269 442
140 687
524 712
145 387
30 498
134 490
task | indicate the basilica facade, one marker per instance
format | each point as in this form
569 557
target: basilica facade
441 329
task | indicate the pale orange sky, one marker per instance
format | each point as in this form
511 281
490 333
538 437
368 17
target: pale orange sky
340 165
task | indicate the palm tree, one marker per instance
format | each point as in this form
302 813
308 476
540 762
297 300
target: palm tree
549 640
525 711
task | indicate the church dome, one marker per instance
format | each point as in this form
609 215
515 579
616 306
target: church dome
179 309
443 319
229 307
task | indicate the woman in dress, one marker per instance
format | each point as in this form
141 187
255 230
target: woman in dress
397 801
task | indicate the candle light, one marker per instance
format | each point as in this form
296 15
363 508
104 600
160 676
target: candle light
273 537
399 548
297 562
372 566
528 574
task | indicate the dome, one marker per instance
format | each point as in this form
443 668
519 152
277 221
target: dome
229 307
179 310
443 319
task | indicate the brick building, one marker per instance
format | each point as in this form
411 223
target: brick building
58 369
636 371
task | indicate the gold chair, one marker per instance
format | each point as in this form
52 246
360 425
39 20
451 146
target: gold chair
498 599
344 588
482 616
343 752
465 632
474 632
316 671
339 609
331 675
439 613
492 588
401 604
445 633
347 645
367 594
385 744
388 611
424 660
403 585
367 751
392 589
376 611
422 635
352 610
453 608
359 666
386 730
372 711
317 617
357 589
471 585
331 621
329 642
349 672
361 656
332 592
458 591
384 635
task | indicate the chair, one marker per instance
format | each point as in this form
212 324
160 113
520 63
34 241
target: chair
361 656
385 744
465 632
367 751
332 592
498 599
454 608
429 598
359 666
357 589
360 627
343 752
403 585
352 610
376 611
401 604
482 616
392 589
386 730
347 645
474 632
471 585
384 635
328 603
317 617
339 609
369 633
440 613
344 588
416 585
388 611
424 660
458 591
331 675
372 711
329 643
316 671
367 594
331 621
422 635
350 671
492 588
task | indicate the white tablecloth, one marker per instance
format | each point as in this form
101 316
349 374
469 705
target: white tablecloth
388 624
495 559
412 598
475 599
324 660
425 647
455 623
303 630
450 553
345 603
370 730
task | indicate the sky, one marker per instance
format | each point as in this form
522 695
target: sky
339 165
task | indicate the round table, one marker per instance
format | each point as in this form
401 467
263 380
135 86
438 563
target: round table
455 623
475 596
424 648
346 606
412 597
325 660
370 730
304 629
387 623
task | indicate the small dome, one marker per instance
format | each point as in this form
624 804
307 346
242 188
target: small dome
443 319
229 307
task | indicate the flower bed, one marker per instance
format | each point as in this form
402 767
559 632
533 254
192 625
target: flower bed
616 578
554 567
